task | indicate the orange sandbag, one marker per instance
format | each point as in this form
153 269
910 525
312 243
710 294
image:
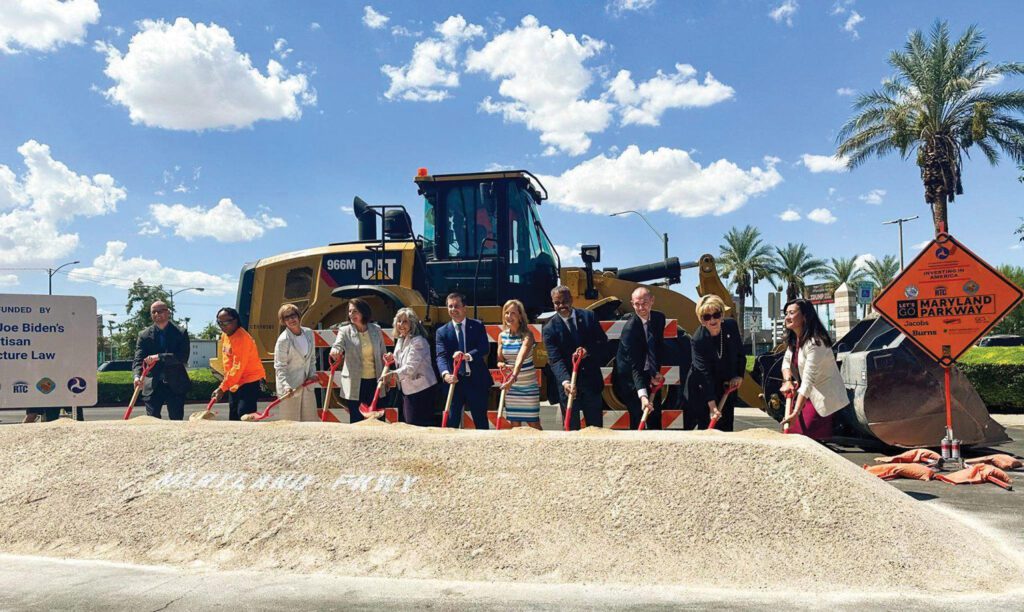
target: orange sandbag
978 474
916 455
890 471
1003 462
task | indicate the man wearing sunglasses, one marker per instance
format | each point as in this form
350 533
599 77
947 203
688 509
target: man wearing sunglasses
639 359
165 347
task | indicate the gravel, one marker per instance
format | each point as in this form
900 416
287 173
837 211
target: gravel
752 510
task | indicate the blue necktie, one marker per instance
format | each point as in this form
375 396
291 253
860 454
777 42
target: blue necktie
461 339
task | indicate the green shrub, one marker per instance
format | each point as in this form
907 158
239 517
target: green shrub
997 373
117 387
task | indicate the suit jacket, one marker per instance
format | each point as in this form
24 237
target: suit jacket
478 346
819 377
292 367
708 373
631 359
169 372
351 373
560 345
412 364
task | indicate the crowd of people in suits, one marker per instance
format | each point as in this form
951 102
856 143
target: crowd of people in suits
711 365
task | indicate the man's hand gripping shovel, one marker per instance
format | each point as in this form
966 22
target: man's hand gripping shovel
650 404
577 359
456 364
135 396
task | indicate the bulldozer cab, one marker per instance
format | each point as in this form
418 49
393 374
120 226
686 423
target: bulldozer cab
483 237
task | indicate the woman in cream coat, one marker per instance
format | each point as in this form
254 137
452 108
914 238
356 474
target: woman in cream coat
414 369
361 345
816 381
295 364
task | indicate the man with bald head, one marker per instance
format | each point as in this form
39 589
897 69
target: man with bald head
639 359
166 348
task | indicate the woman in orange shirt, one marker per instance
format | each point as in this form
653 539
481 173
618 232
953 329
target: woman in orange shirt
243 369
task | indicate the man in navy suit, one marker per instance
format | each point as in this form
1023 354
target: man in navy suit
466 336
639 359
569 329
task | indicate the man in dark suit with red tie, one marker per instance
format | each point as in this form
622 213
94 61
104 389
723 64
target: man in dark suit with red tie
639 359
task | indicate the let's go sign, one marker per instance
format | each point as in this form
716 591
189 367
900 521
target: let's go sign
946 299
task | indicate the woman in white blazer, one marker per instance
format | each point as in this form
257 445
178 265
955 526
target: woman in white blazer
414 369
815 380
361 345
295 364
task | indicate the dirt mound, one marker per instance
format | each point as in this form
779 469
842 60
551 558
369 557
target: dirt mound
694 509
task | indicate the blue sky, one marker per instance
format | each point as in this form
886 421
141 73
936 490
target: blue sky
177 141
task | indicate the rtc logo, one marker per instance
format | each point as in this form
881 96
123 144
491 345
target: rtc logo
46 386
76 384
20 387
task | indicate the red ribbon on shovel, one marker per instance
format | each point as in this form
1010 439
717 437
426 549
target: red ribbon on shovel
371 412
135 396
327 398
647 411
456 364
577 359
266 411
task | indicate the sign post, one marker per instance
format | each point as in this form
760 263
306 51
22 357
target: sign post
944 301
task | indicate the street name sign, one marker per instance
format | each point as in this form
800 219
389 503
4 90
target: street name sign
47 351
946 299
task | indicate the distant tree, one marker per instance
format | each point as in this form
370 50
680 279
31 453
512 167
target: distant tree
882 271
793 265
743 257
937 106
1014 322
140 296
841 270
210 332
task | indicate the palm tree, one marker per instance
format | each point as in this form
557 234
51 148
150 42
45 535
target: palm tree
793 265
881 272
937 106
742 257
843 270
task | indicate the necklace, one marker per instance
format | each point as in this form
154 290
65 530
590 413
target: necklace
721 343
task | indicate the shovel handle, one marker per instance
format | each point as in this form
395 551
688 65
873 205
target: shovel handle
789 410
577 359
330 384
647 411
456 365
721 406
135 396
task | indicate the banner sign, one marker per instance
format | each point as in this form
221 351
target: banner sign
946 299
47 351
362 268
819 294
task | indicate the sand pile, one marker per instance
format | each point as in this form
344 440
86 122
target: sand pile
702 509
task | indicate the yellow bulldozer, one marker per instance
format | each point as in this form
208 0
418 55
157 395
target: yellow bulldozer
482 237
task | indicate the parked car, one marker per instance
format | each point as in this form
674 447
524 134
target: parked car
1002 340
117 365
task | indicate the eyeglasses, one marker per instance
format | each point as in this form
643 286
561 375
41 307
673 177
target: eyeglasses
711 315
290 316
225 323
161 311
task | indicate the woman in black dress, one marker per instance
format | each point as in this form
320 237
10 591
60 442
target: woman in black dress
718 364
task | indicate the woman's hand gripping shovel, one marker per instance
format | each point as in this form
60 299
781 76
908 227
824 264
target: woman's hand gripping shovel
721 406
456 364
371 412
326 412
135 396
789 411
508 376
647 411
577 359
265 413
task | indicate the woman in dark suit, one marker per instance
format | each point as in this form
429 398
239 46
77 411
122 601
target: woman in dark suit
718 364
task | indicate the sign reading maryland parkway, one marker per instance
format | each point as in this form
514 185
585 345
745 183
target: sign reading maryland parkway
946 299
47 351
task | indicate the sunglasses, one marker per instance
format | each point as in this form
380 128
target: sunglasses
711 315
291 316
225 323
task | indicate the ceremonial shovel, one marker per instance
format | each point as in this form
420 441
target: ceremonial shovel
647 411
505 377
327 398
721 405
259 416
456 364
135 396
577 358
371 412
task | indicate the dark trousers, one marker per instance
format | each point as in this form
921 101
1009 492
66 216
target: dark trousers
418 408
367 387
162 395
636 411
470 392
697 415
242 401
590 403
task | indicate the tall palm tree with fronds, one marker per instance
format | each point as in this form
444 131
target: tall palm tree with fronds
937 106
742 257
841 270
882 271
793 265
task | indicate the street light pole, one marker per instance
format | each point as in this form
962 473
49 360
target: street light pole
661 236
174 293
901 221
52 271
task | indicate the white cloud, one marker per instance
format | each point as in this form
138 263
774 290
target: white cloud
644 104
282 49
373 19
496 167
44 25
785 12
570 256
922 244
822 215
862 261
875 196
662 179
404 31
314 26
544 81
851 24
35 208
993 81
846 91
629 6
433 69
823 163
8 280
113 269
189 76
790 215
225 222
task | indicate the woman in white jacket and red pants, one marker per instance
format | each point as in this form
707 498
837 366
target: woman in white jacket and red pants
810 372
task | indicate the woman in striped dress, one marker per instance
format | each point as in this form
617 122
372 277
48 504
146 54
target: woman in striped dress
522 397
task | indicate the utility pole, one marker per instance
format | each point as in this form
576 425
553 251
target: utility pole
901 221
661 236
52 271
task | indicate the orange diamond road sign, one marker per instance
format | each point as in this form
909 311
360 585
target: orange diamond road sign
946 299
